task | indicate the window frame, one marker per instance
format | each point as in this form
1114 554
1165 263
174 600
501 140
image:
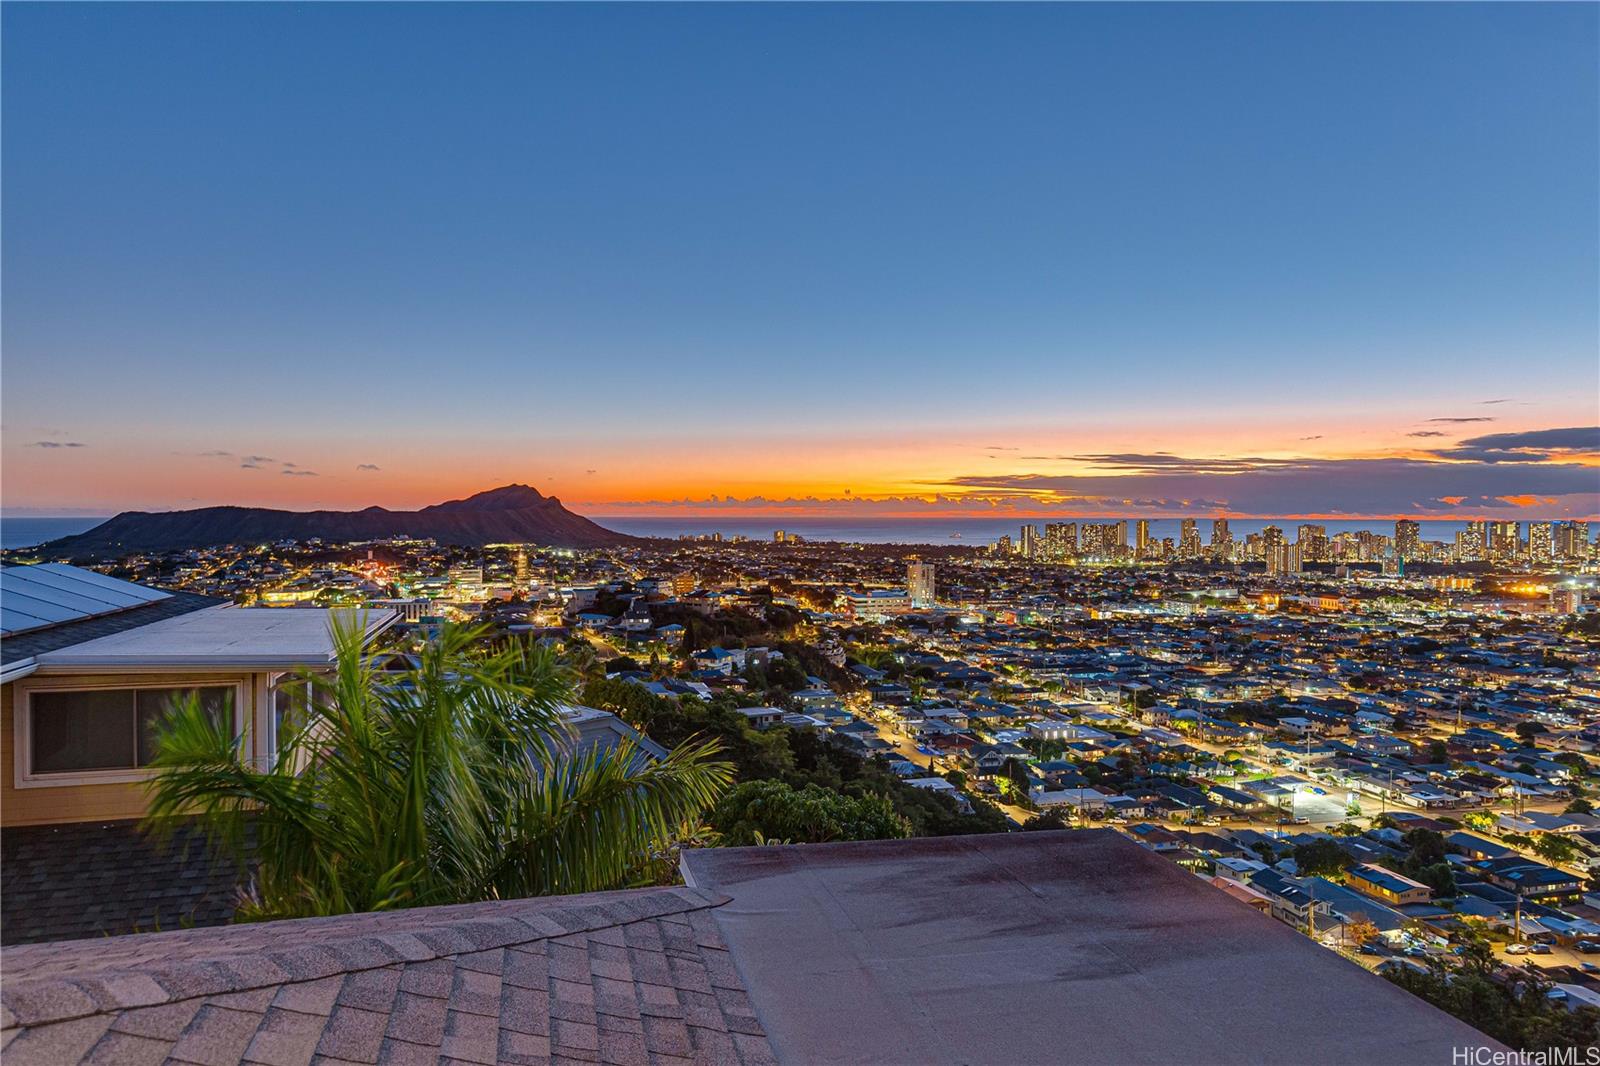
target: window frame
23 774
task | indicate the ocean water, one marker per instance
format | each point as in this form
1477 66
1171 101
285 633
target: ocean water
25 532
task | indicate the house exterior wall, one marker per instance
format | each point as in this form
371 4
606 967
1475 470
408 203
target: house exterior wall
41 802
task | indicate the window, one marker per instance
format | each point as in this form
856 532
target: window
109 729
291 704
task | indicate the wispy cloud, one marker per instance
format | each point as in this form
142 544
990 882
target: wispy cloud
1428 433
1474 418
368 466
299 473
1315 436
57 444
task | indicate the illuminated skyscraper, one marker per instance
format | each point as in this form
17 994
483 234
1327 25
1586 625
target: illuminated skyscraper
1221 539
1407 539
1472 542
1061 540
1104 540
1141 538
1030 541
919 584
1092 541
1503 542
1313 544
1541 543
1189 539
1572 541
1271 539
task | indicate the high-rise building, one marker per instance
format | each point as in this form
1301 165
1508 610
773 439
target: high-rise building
1003 545
779 536
1104 540
919 584
1221 539
1541 543
1029 544
1271 538
1189 539
1472 542
1503 543
1141 538
1572 541
1313 544
1060 541
1092 540
1407 539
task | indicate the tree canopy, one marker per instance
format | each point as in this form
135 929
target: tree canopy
770 811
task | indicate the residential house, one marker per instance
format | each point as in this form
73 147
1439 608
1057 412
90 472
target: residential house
1380 883
91 664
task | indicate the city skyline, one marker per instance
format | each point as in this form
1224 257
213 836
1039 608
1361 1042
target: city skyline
1263 261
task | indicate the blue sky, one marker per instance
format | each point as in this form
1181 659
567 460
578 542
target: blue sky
659 252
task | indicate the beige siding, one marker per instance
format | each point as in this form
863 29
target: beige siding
96 802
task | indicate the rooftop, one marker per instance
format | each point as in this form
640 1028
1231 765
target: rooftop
619 977
63 882
53 606
1059 947
1039 947
49 594
223 637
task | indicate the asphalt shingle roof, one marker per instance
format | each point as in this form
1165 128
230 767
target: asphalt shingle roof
64 882
639 976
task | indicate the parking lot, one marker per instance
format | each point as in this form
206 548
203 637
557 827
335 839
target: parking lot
1559 956
1321 810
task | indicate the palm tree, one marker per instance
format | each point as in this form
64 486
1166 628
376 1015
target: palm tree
451 782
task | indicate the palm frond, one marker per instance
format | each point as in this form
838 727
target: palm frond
589 821
450 782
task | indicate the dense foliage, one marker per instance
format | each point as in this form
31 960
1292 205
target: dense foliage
452 782
1517 1012
1425 862
1320 858
796 757
761 812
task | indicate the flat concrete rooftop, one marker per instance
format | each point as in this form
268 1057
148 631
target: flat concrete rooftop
1063 947
222 637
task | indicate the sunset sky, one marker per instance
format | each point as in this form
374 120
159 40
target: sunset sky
1270 260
